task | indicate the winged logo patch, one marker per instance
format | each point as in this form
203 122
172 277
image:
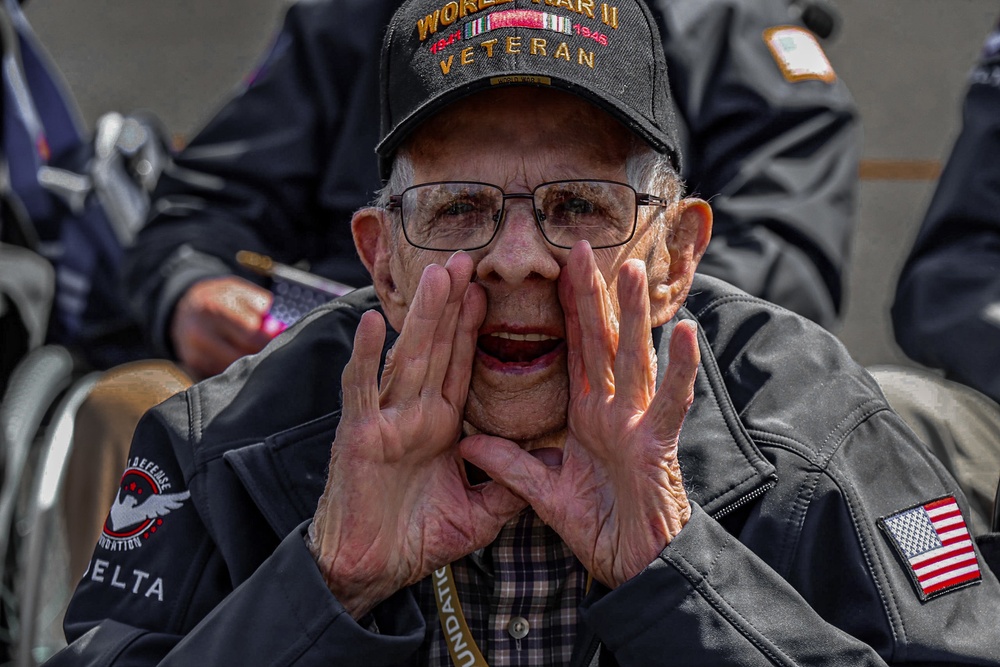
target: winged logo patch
138 511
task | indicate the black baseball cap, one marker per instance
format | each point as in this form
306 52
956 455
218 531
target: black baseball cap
609 53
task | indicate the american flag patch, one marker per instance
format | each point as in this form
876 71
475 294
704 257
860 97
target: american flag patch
936 546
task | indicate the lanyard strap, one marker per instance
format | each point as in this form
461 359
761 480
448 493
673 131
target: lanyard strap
462 647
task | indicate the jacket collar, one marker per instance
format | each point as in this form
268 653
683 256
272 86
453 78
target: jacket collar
722 467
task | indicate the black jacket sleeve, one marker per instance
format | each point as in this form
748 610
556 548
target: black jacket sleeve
776 155
214 581
947 308
279 169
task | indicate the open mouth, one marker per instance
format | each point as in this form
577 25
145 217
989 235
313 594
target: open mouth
514 348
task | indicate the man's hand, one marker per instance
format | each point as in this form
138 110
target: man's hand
617 497
396 505
216 322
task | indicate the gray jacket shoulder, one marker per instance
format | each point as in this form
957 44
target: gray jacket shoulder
787 377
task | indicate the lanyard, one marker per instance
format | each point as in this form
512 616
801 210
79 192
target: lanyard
462 647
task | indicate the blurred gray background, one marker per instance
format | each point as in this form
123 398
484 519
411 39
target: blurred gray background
905 61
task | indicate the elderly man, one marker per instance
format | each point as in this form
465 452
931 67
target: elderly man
509 481
283 165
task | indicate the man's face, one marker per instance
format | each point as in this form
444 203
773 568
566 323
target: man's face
518 138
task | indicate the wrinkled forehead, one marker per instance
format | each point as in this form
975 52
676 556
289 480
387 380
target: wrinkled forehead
551 127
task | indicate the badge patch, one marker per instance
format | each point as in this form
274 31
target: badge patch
934 542
798 54
138 510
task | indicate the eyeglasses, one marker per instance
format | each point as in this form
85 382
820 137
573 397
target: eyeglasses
453 215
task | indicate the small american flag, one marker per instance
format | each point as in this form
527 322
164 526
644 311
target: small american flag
935 543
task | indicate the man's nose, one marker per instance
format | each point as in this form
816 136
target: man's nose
519 252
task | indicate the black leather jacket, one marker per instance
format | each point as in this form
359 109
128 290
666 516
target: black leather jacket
790 456
283 166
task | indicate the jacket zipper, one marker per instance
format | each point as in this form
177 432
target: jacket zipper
588 657
752 495
749 497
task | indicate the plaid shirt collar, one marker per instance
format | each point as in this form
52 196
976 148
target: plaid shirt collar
520 596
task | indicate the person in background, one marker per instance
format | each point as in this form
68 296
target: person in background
538 437
946 312
73 197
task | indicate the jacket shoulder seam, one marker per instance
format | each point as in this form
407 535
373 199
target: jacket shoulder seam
823 467
736 620
737 298
873 563
886 593
821 456
859 415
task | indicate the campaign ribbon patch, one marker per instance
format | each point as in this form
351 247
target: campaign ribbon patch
934 542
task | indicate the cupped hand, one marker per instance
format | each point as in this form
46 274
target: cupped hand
616 498
216 322
396 504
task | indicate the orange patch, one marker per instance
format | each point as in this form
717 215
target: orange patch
798 54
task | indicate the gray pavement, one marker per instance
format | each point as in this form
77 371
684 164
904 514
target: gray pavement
905 61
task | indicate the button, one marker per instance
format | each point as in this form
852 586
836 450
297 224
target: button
518 627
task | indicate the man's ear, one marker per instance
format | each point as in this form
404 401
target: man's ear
373 238
686 241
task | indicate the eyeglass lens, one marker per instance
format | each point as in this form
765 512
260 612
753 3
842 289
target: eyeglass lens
456 216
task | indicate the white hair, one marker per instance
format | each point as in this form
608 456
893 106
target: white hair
400 178
653 173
